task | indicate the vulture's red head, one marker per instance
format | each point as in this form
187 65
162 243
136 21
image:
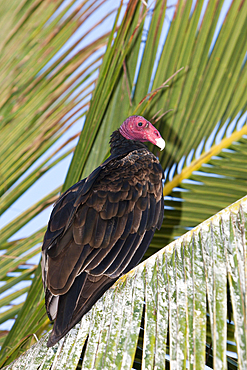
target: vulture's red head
138 128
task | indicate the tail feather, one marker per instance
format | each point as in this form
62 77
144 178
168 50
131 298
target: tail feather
76 303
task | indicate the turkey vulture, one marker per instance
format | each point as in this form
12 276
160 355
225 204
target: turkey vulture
101 227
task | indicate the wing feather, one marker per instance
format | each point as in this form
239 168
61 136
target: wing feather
125 255
63 269
108 232
144 219
128 225
100 230
151 212
89 226
122 208
105 258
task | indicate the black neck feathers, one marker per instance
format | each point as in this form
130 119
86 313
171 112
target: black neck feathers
119 144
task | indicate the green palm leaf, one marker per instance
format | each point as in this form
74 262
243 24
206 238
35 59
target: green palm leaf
204 158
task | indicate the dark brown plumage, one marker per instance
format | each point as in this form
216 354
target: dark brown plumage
101 227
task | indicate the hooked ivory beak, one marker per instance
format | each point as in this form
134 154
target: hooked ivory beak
160 142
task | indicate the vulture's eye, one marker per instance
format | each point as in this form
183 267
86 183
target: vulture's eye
140 124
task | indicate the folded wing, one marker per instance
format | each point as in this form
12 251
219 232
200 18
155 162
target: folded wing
98 232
